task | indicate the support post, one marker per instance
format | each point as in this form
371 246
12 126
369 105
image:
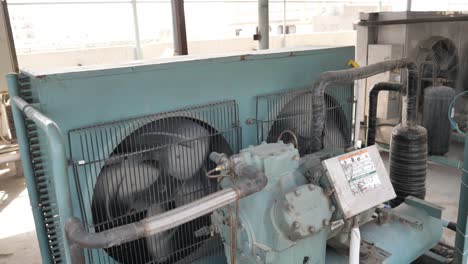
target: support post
283 40
178 27
263 24
138 51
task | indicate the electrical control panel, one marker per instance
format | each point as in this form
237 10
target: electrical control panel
359 180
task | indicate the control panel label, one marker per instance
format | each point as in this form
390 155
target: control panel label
360 171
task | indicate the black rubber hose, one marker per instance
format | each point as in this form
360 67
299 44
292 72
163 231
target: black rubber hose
373 99
343 76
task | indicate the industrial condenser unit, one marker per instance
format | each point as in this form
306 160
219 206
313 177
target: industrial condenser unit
125 143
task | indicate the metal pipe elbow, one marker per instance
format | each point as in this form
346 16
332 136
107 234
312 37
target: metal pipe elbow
77 234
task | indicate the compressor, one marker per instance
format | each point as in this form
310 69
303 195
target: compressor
316 209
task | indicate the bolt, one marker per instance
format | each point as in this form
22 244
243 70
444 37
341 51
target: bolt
311 229
290 207
332 208
296 224
258 258
326 222
297 192
311 187
249 121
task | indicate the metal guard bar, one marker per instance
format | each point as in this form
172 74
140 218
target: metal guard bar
28 172
57 150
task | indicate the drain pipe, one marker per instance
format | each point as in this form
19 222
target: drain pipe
354 245
263 34
253 180
350 75
373 99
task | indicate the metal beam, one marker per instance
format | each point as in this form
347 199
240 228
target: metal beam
178 26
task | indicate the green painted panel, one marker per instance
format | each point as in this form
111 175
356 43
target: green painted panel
81 97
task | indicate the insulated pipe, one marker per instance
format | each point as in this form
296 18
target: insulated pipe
150 226
354 246
373 99
57 151
342 76
253 180
263 24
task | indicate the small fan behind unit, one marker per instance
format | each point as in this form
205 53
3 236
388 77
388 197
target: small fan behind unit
158 167
294 124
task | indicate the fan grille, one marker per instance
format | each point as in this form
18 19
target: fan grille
128 170
288 116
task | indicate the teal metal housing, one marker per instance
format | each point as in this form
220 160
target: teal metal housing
79 97
461 240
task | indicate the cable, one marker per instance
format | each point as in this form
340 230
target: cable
453 124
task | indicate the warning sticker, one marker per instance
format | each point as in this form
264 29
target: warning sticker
360 171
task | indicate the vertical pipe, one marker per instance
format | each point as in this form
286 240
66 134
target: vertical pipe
461 240
283 40
409 3
359 110
178 27
263 24
138 52
28 172
354 245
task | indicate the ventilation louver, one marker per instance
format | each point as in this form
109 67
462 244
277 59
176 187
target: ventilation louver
132 169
